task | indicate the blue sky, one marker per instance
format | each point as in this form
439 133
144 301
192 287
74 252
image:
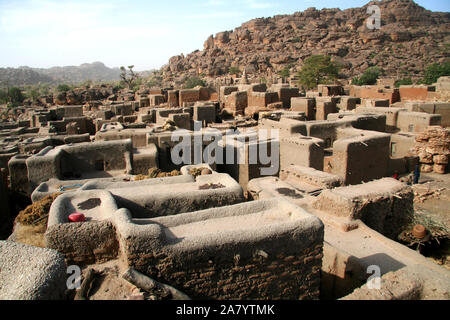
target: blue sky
146 33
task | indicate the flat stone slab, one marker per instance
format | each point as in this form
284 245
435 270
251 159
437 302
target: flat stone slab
31 273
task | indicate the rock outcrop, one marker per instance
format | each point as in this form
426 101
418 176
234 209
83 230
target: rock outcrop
409 39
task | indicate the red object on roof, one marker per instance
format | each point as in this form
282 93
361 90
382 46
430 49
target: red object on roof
77 217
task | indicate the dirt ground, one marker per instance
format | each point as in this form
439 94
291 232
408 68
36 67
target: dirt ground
108 284
432 201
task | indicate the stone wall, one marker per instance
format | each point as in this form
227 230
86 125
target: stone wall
433 149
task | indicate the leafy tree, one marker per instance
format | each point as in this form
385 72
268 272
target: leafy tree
403 82
234 70
15 96
3 96
193 82
63 87
34 93
369 77
318 69
285 73
434 71
137 84
128 76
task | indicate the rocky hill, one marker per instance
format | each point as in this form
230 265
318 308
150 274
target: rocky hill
409 39
96 71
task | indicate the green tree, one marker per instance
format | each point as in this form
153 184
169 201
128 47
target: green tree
128 76
434 71
193 82
285 73
318 69
403 82
34 93
3 96
15 95
369 77
234 70
63 87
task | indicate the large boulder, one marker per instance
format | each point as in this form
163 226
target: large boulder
31 273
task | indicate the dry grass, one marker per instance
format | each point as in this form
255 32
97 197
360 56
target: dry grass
30 224
156 173
31 235
195 172
36 212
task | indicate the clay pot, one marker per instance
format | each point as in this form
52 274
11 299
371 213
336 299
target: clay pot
419 231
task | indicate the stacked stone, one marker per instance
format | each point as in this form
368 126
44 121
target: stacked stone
433 148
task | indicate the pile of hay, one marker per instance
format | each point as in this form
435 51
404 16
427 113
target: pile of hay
37 212
31 223
156 173
437 231
195 172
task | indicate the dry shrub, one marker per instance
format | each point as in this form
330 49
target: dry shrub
156 173
36 211
195 172
31 223
30 234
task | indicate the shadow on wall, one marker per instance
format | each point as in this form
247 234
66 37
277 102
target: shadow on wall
343 276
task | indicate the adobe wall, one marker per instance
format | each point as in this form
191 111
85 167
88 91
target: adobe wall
416 121
301 151
144 159
241 169
69 111
403 144
261 99
375 92
80 159
286 126
206 113
92 241
391 115
43 166
285 95
362 157
122 109
138 136
417 283
441 108
4 205
236 102
299 174
173 99
160 197
241 261
188 95
306 105
415 93
86 157
385 205
18 174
